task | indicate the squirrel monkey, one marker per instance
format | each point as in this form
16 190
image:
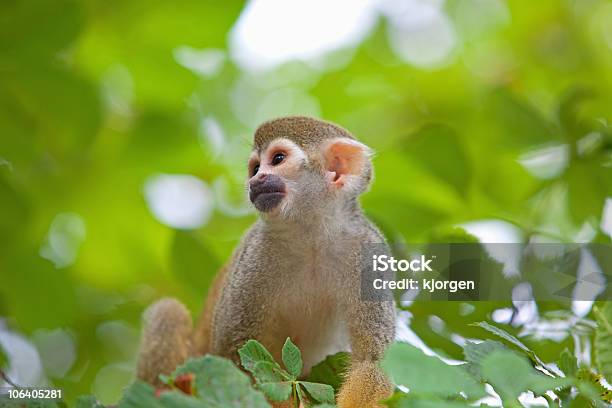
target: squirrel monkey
296 271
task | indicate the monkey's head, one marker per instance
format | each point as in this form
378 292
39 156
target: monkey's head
301 165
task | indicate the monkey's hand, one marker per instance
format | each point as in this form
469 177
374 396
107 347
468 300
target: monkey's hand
166 340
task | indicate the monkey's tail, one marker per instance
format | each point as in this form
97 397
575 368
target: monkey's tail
166 340
364 386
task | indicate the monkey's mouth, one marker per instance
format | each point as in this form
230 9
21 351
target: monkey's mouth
266 198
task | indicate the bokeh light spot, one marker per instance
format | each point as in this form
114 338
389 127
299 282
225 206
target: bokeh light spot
207 62
57 351
420 32
65 236
179 200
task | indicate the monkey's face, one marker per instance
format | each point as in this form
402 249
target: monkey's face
288 180
273 173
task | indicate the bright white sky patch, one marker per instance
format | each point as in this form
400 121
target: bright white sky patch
547 162
503 315
25 367
493 231
179 201
493 234
270 32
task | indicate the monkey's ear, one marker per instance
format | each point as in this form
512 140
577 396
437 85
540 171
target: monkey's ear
345 159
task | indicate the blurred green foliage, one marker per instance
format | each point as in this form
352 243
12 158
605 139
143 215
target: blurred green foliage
94 102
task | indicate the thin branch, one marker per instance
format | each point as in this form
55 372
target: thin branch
5 377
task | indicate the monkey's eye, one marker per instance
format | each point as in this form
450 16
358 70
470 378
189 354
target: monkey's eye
278 158
255 169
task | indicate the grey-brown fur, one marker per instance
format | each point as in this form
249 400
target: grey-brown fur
304 131
266 270
166 339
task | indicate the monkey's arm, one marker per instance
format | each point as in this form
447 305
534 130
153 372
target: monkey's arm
241 310
371 327
243 299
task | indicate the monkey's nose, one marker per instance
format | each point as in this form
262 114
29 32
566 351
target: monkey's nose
261 178
264 179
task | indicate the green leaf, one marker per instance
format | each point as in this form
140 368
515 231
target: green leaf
568 363
278 391
39 35
27 290
331 370
258 361
440 150
219 381
433 377
451 235
437 404
139 395
292 358
13 209
588 183
253 352
582 401
513 340
554 276
568 112
603 340
300 394
88 401
319 392
591 392
402 400
511 374
176 399
588 378
475 353
522 125
265 371
601 252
